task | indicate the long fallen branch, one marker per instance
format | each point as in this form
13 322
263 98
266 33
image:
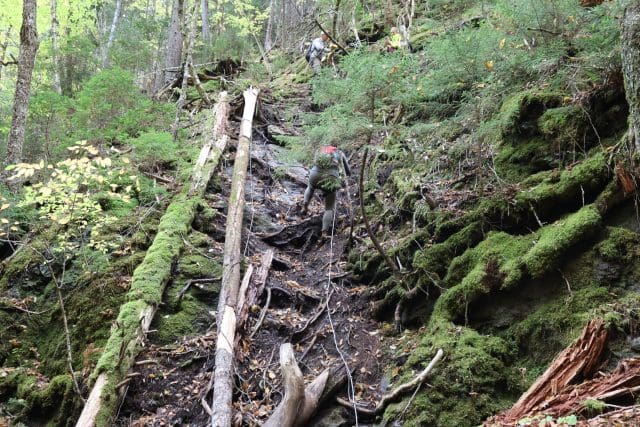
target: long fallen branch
229 292
149 280
394 394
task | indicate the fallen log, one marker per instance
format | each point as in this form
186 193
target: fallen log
227 302
147 286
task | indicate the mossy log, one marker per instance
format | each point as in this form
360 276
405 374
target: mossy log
228 299
149 281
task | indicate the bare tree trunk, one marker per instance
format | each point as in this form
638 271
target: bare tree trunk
3 48
26 60
112 32
206 31
174 43
631 68
185 72
228 298
268 43
334 24
54 47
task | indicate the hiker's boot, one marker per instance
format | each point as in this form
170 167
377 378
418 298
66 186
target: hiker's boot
324 236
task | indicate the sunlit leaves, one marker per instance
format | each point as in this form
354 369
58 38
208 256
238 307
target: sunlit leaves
70 192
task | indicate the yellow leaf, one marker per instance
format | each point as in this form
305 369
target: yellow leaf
501 44
63 221
4 220
488 65
4 206
125 160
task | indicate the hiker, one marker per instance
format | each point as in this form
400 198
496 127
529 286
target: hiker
325 175
394 42
316 52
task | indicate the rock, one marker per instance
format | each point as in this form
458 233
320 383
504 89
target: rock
336 416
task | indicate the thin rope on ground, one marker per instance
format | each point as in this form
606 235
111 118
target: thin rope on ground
351 391
251 190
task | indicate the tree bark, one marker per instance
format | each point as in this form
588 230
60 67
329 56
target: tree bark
145 295
227 302
26 60
54 47
631 68
206 30
334 24
3 48
112 33
185 71
268 42
174 43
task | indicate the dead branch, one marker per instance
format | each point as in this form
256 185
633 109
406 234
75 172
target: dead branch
299 403
396 393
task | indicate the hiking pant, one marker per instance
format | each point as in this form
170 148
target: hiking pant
315 176
316 64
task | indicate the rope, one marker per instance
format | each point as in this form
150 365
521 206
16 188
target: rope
251 190
351 391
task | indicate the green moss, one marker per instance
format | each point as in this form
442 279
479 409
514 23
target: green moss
594 406
518 111
472 382
35 401
192 316
569 186
493 264
621 245
149 278
499 261
552 326
517 160
435 258
554 240
564 126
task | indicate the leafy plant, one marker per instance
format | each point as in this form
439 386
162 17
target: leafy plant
67 194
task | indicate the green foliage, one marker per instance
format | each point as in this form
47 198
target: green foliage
156 150
363 100
110 107
69 193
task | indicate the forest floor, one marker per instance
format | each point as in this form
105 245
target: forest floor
308 301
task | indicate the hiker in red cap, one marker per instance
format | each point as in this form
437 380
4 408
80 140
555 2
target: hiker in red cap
325 175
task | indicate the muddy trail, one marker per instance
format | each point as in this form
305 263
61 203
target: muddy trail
307 299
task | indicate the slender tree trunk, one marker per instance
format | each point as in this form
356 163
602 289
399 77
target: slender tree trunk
26 60
185 72
206 30
631 68
112 32
3 48
54 47
334 24
174 43
268 43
